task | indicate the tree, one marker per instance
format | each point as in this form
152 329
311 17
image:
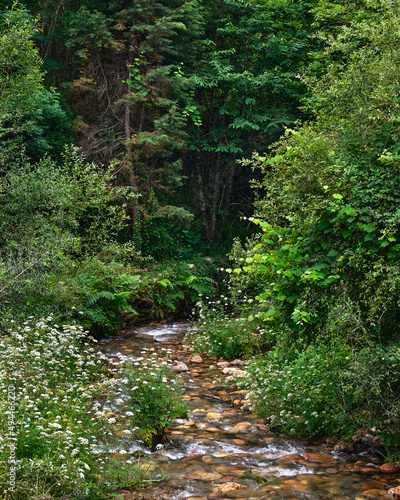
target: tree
133 100
20 77
329 254
248 90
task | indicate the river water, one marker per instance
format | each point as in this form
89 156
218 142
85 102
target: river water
222 451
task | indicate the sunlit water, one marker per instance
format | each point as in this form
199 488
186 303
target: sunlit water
251 462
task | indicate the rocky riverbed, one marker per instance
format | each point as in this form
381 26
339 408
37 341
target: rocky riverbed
222 451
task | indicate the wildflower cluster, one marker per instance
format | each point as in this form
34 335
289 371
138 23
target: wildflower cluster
307 394
223 333
150 395
60 430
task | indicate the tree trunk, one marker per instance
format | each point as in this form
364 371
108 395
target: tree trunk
129 159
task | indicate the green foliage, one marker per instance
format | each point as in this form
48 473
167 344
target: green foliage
152 397
101 292
223 334
52 218
326 387
176 286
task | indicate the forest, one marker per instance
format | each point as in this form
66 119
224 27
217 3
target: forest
235 162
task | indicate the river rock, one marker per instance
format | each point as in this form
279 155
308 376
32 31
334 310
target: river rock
196 359
180 367
369 471
205 476
374 493
239 442
241 427
286 459
388 468
222 364
231 486
395 492
319 458
213 415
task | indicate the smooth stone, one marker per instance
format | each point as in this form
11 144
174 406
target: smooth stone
369 471
241 427
205 476
395 492
222 364
180 367
319 458
239 442
374 493
230 486
196 359
332 471
212 429
189 424
246 493
191 458
388 468
291 457
207 459
213 415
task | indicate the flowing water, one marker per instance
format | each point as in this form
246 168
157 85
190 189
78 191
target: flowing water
207 457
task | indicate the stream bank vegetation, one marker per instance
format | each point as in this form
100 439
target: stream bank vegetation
71 414
321 277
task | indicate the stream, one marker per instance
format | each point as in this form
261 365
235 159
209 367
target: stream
222 451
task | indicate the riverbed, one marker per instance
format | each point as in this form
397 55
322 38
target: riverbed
223 451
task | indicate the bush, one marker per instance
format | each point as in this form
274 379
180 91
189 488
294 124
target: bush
152 397
225 335
325 387
51 380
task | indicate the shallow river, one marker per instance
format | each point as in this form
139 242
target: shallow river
209 458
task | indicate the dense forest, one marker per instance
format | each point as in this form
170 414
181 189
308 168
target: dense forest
157 155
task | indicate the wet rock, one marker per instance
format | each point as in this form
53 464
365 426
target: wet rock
212 429
388 468
205 476
239 442
208 459
192 458
231 486
213 415
395 492
222 364
262 427
291 457
245 493
231 412
369 470
180 367
319 458
241 427
374 493
196 359
236 362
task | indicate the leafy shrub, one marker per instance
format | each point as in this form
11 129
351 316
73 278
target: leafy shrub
325 388
223 334
152 397
101 292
